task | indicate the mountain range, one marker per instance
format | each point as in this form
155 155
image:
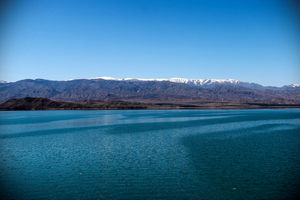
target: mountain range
174 90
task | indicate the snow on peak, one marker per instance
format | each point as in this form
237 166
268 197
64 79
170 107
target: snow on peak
295 85
175 80
106 78
203 81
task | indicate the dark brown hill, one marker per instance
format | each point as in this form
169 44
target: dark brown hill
30 103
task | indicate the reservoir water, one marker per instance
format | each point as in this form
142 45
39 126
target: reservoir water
150 154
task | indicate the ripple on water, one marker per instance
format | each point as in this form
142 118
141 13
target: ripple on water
150 154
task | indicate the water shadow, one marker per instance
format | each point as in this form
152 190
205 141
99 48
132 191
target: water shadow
247 164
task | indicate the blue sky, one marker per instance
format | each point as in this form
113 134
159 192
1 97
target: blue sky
254 40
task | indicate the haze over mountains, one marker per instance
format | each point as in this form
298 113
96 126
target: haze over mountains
174 90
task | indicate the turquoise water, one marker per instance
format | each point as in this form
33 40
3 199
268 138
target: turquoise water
242 154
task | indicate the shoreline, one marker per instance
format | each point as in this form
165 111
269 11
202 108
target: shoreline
120 109
30 103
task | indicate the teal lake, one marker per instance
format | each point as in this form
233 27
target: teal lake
150 154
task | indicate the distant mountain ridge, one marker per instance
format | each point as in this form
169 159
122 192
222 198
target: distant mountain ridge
199 82
150 90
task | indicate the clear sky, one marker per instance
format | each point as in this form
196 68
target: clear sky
254 40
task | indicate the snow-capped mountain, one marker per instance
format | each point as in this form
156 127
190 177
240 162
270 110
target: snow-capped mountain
294 85
207 83
204 83
291 87
175 80
150 90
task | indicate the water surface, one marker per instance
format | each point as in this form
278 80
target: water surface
241 154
